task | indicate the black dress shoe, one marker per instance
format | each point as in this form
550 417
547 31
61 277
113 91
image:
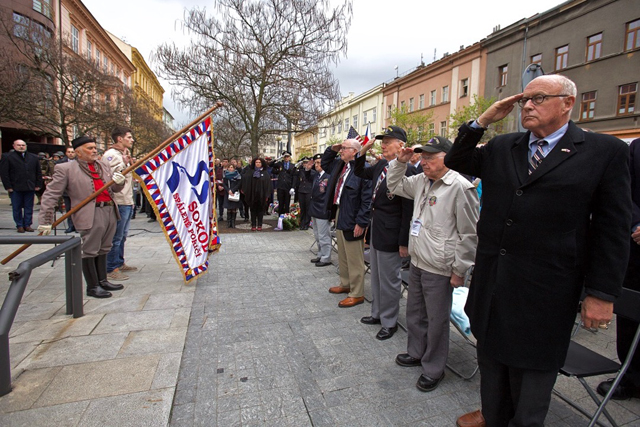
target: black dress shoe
622 392
322 264
386 333
98 292
403 359
428 384
314 260
369 320
110 286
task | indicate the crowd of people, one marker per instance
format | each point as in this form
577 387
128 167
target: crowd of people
556 230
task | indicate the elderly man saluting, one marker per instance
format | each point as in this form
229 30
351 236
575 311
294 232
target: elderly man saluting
555 221
96 221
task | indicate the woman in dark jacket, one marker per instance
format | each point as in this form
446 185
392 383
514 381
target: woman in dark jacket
256 185
232 182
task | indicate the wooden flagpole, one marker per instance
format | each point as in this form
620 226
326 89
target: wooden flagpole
133 167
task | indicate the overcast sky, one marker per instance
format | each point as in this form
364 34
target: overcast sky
383 33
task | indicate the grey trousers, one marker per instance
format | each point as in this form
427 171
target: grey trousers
322 233
98 239
386 286
428 309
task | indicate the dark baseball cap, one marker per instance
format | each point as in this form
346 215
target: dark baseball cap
394 132
436 144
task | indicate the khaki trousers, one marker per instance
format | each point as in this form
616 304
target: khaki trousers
351 264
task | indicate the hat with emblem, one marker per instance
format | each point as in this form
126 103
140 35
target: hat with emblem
286 153
58 153
317 156
436 144
394 132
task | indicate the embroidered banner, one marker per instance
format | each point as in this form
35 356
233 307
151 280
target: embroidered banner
180 185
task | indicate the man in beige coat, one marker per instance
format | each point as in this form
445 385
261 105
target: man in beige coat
96 221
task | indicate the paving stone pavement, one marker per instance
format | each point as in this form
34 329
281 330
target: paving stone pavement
258 341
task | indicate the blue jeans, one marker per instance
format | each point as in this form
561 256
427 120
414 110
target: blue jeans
22 204
115 257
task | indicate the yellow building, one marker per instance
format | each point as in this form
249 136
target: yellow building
305 143
145 82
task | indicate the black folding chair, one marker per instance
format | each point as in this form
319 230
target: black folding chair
582 362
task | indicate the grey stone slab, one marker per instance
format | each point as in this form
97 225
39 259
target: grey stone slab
116 305
100 379
153 341
167 371
19 351
150 408
73 350
64 415
26 389
135 321
54 329
38 311
158 301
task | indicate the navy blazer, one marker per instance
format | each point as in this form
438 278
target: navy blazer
390 214
355 199
318 208
21 174
542 238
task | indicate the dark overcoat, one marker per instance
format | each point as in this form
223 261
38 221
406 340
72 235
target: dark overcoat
542 237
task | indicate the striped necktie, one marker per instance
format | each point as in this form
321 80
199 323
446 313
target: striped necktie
336 196
381 178
536 159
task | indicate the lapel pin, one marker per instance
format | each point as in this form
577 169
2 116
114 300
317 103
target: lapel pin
566 150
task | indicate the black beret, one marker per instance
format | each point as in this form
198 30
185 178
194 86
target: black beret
81 140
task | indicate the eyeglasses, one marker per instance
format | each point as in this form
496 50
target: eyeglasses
348 148
432 158
538 99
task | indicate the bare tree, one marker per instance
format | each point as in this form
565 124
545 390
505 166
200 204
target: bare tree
148 129
60 92
268 60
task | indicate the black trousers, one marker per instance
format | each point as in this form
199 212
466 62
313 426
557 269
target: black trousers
513 397
257 213
284 199
305 203
625 328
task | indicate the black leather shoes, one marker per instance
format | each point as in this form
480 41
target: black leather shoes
403 359
368 320
314 260
622 392
386 333
428 384
322 264
106 285
98 292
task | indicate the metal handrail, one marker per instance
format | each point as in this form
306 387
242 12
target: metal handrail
70 246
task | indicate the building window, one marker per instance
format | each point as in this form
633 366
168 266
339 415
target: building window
432 99
594 47
588 106
388 111
75 39
421 101
21 26
355 121
339 126
89 50
44 7
97 57
536 59
410 104
432 130
464 88
443 129
627 98
632 39
445 93
402 105
502 75
364 118
105 63
373 115
562 57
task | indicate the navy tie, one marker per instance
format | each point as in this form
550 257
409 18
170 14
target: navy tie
536 159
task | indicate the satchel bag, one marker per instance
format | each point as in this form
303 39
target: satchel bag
235 197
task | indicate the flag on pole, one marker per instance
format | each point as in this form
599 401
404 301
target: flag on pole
180 185
353 134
